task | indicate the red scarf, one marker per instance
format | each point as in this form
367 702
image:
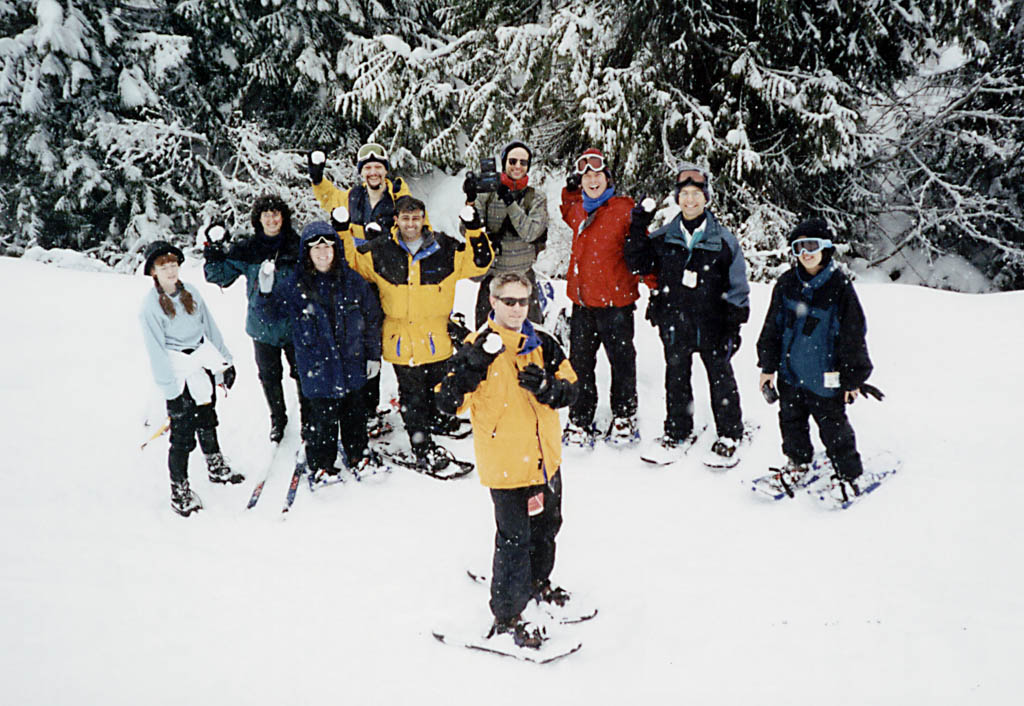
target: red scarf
515 184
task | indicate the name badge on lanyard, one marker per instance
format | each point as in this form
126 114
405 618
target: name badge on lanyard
689 278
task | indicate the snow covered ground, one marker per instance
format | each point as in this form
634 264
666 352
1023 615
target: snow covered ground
706 595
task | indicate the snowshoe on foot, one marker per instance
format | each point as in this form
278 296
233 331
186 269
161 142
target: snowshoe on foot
184 501
370 464
574 435
545 592
667 449
219 471
523 633
431 456
843 490
722 453
623 432
378 425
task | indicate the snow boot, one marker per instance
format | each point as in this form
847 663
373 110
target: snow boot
544 592
369 465
842 489
577 436
523 633
219 471
623 432
184 501
277 429
723 453
377 424
431 456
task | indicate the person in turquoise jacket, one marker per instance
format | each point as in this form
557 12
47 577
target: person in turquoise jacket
266 260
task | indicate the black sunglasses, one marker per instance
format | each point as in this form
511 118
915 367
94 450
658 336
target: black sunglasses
513 161
514 301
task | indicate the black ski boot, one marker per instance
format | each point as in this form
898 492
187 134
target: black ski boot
219 471
184 501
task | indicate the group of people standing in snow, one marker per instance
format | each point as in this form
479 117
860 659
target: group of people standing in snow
375 282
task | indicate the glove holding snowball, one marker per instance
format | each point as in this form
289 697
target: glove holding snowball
315 162
484 350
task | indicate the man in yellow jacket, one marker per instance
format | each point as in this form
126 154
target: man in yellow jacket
513 378
415 270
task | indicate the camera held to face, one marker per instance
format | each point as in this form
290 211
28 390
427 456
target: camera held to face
488 179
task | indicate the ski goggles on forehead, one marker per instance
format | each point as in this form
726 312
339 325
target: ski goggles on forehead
810 245
321 240
689 178
594 162
371 150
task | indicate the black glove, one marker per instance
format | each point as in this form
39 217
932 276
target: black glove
470 218
872 391
535 379
640 218
733 340
340 219
469 187
316 165
214 252
479 357
228 377
505 194
572 182
771 395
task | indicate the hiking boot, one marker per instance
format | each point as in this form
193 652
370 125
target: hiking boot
523 633
575 435
219 471
184 501
623 431
843 489
544 592
723 453
377 424
431 456
369 465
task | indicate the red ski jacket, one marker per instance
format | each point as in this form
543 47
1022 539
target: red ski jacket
598 275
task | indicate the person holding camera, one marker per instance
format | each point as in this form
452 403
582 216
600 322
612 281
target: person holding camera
415 270
516 218
186 352
266 260
603 292
370 204
702 300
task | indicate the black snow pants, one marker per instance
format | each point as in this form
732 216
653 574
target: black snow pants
796 406
188 421
589 329
524 546
321 432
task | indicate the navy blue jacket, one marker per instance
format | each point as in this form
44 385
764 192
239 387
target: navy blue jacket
815 325
336 319
709 312
264 320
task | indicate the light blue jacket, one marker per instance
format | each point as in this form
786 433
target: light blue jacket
162 334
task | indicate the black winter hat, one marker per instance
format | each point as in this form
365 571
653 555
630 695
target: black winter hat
372 152
812 228
511 146
270 202
158 248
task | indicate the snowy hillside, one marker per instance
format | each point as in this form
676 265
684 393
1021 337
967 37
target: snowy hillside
706 595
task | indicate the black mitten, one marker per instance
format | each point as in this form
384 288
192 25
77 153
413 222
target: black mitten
315 161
